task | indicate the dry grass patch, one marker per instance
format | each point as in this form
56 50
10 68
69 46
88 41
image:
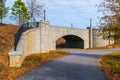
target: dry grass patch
30 62
110 63
7 33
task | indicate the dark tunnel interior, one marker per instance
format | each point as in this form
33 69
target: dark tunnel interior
70 41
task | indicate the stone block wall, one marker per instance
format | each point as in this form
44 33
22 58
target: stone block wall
47 38
32 42
29 44
61 31
98 40
15 61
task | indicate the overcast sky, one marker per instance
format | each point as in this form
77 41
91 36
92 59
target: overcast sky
65 12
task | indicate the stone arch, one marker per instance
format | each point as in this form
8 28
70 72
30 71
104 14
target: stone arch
70 41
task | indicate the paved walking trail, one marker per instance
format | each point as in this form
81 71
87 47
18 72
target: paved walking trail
79 65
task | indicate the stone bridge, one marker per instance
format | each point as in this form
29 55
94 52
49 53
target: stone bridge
47 37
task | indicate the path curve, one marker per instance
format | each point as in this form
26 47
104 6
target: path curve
79 65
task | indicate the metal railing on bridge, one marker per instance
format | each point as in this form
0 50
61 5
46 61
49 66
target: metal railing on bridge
22 29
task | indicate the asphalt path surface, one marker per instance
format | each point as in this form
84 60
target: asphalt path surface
79 65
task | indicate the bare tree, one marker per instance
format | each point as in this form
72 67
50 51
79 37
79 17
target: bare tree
36 9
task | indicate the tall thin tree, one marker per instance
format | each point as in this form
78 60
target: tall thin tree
3 10
19 10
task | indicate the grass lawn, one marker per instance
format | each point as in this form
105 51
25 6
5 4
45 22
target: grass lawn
110 64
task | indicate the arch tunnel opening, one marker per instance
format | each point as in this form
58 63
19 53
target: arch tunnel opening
70 41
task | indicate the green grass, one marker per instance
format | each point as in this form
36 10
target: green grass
99 48
110 63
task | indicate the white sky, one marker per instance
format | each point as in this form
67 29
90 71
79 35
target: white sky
65 12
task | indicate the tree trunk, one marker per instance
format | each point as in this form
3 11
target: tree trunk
19 19
1 19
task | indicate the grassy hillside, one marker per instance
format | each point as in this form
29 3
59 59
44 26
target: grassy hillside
110 63
7 32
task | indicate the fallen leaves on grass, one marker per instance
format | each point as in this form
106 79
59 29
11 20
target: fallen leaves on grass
30 63
110 63
6 41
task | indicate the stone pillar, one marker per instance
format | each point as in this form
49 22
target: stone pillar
15 59
46 37
90 37
43 23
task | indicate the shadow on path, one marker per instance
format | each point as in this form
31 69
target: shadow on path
96 56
